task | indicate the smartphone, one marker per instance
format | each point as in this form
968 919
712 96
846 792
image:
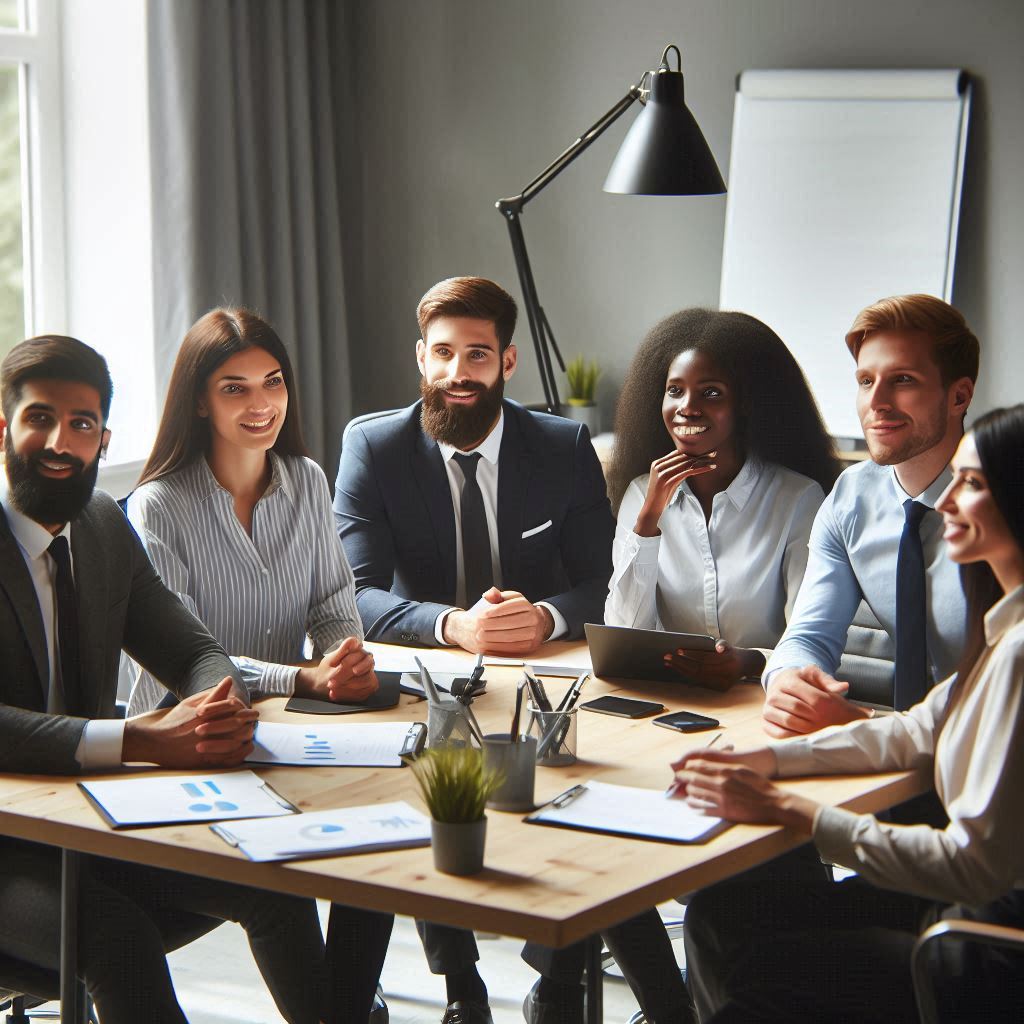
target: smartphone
623 707
686 721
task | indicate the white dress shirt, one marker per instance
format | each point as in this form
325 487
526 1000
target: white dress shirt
102 739
489 450
853 549
734 577
976 758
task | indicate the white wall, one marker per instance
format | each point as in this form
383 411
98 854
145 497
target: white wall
464 101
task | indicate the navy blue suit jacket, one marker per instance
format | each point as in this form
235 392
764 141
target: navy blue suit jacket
393 508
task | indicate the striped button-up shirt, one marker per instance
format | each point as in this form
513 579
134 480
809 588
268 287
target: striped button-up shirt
259 595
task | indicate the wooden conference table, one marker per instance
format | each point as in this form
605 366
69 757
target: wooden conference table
554 886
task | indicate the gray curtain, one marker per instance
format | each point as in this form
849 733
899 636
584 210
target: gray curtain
246 130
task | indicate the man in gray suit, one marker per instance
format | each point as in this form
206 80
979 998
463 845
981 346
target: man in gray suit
76 588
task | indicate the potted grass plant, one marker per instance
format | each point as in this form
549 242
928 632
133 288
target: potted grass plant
456 787
582 377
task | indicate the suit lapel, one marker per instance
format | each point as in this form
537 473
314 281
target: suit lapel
514 471
92 587
432 479
17 584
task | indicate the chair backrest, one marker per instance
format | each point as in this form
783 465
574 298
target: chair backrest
365 418
867 663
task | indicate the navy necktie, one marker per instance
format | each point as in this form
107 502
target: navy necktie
476 541
910 682
67 625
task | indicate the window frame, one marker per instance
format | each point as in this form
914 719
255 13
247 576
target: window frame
36 48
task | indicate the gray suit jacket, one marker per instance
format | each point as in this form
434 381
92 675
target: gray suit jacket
121 604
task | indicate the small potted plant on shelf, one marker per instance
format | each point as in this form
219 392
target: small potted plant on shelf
456 787
582 377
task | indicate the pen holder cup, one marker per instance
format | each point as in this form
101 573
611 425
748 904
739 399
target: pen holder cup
448 726
555 732
516 762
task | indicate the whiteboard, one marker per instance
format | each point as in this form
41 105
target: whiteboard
844 187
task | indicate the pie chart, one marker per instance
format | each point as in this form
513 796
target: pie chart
323 830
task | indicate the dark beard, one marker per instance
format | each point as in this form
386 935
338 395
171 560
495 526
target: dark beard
48 502
461 427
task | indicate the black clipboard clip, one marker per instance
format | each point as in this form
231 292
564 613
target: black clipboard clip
415 739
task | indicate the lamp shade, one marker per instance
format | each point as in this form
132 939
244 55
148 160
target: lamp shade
665 153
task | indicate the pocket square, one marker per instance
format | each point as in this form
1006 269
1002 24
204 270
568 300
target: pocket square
536 529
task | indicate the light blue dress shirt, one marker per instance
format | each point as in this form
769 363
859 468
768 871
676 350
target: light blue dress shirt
853 549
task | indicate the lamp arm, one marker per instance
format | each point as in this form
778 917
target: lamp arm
511 208
568 155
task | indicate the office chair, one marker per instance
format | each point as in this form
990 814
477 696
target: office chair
24 987
959 931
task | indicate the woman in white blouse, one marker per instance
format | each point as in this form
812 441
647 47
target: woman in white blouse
238 522
831 951
720 464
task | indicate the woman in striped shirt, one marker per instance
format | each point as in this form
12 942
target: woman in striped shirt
238 522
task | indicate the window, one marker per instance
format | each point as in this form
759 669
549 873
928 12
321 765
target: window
31 172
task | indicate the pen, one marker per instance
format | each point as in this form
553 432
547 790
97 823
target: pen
573 693
428 684
539 694
514 730
675 784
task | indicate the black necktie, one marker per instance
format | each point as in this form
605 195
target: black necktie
911 677
67 625
476 542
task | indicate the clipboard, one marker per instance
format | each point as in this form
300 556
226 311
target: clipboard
147 801
627 811
338 744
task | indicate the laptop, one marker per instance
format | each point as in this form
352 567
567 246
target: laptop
623 652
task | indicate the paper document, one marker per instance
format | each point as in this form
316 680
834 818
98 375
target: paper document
199 797
574 659
388 658
330 833
631 811
363 744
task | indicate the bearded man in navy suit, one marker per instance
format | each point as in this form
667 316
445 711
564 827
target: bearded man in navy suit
472 522
468 520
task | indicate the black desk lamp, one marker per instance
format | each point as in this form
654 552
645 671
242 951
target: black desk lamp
664 153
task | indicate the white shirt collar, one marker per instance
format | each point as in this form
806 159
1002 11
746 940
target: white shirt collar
32 538
738 492
930 495
489 448
1004 614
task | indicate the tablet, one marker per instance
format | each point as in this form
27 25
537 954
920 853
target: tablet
626 653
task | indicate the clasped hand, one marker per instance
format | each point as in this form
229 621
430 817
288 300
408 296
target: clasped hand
502 622
214 727
803 700
345 674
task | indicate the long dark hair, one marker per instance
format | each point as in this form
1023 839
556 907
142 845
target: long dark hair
778 420
999 439
184 435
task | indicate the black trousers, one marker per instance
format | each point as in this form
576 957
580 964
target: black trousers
130 915
642 950
127 914
449 950
779 949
